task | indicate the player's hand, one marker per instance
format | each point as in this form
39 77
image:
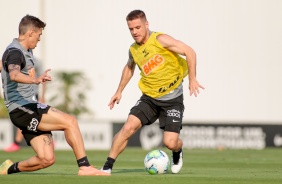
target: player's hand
114 100
194 87
44 77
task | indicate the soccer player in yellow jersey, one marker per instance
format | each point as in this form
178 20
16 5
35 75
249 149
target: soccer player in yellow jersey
162 73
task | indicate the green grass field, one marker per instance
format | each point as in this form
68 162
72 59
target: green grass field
200 166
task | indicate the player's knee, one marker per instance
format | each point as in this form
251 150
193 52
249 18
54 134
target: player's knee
128 130
172 145
50 162
72 122
47 162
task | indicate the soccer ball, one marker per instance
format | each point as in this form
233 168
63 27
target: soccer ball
156 162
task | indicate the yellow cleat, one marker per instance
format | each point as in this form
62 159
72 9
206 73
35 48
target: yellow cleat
5 166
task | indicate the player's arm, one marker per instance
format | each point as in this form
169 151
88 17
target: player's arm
17 76
181 48
15 62
127 74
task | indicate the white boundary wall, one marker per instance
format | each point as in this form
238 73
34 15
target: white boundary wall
6 133
98 135
238 45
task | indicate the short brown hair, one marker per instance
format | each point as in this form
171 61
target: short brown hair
136 14
28 21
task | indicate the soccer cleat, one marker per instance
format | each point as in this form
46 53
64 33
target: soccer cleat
12 148
91 171
5 166
177 165
106 170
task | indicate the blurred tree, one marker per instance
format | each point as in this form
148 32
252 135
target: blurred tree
3 109
69 95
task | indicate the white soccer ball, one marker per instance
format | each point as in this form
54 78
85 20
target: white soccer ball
156 162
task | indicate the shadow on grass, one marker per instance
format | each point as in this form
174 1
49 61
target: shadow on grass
128 170
46 174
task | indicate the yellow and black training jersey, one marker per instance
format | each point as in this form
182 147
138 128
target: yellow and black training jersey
161 70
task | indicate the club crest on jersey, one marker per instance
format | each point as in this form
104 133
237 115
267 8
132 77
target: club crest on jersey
41 106
33 125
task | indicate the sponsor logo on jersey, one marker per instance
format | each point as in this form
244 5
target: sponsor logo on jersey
145 52
152 64
164 88
31 72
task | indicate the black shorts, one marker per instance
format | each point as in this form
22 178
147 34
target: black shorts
169 112
27 118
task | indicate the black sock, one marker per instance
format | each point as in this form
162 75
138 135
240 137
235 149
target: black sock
17 143
109 163
83 162
176 156
14 168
